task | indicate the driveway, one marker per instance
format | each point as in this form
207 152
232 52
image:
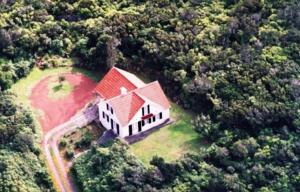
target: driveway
50 147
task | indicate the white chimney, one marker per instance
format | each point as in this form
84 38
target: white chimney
123 91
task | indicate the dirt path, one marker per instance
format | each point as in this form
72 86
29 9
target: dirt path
58 117
50 147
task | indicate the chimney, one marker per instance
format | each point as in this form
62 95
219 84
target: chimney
123 91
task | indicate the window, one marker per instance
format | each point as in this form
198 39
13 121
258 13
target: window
153 118
140 126
103 114
118 130
148 108
111 110
112 124
130 130
107 118
149 120
143 111
118 126
107 107
160 115
143 122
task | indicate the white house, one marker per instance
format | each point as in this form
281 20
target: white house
128 106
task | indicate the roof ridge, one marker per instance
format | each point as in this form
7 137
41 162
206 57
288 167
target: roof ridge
148 84
124 75
138 88
117 69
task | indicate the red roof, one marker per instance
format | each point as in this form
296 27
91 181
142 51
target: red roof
111 84
154 93
126 106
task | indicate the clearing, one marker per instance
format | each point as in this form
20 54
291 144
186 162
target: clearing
171 141
54 105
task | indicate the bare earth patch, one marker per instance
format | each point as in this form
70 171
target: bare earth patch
59 104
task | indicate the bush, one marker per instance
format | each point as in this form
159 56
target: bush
84 142
63 143
69 154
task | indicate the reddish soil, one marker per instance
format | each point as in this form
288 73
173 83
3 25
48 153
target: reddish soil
56 112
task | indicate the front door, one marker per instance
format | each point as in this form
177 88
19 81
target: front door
130 130
140 126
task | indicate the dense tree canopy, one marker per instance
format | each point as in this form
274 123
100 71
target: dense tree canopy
21 169
236 63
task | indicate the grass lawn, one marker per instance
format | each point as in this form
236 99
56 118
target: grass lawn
23 87
59 90
170 142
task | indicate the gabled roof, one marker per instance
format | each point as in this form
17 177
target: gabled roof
132 78
126 106
111 83
154 93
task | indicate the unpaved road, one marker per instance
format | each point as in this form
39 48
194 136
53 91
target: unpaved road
50 147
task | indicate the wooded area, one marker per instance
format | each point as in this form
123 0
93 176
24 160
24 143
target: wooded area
236 63
21 168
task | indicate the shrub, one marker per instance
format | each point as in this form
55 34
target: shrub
62 144
84 142
69 154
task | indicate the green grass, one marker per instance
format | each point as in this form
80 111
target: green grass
23 87
170 142
59 90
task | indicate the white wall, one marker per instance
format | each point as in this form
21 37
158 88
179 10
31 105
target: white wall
147 126
124 131
155 109
102 108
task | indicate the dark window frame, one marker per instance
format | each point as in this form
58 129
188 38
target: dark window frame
140 126
160 115
118 126
130 130
112 124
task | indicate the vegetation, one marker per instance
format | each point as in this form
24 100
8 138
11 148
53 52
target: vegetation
172 141
21 168
59 88
22 88
79 140
235 63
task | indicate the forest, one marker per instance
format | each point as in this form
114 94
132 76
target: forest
21 168
235 63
